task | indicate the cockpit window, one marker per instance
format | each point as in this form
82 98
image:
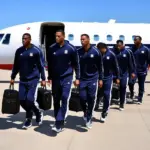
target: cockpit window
1 36
6 39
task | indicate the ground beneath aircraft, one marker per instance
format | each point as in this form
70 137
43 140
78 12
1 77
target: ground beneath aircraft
126 130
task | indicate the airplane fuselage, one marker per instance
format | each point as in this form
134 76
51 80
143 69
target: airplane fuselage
43 35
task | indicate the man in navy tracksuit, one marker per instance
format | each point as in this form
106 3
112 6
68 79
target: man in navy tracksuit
142 59
126 69
91 74
29 63
62 60
111 68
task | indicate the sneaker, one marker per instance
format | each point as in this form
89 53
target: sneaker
139 103
27 124
103 117
89 124
39 119
58 129
121 107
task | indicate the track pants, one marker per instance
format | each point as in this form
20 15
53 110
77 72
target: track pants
61 90
123 86
141 80
28 96
107 88
88 95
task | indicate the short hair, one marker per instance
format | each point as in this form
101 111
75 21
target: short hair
137 36
101 45
28 34
62 31
119 41
85 35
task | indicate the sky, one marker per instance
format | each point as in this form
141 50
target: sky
13 12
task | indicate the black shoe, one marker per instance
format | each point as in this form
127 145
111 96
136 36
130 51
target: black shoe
58 127
121 107
139 102
27 124
39 118
103 117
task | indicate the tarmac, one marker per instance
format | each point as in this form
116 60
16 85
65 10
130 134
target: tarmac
123 130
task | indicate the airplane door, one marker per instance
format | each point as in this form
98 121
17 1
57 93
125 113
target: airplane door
43 48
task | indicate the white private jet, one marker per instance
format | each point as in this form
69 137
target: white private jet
43 35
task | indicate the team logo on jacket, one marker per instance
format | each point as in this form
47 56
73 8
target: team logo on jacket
54 53
31 54
142 52
124 55
66 51
107 57
92 55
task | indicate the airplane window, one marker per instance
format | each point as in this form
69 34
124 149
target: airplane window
70 37
121 37
1 36
6 39
109 38
96 37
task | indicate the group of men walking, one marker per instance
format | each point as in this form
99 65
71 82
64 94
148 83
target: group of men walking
96 67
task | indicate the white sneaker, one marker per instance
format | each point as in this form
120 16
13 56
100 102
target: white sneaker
121 109
139 103
103 117
89 124
56 129
27 124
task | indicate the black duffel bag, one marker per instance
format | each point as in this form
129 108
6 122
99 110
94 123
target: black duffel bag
116 91
74 103
44 98
10 102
